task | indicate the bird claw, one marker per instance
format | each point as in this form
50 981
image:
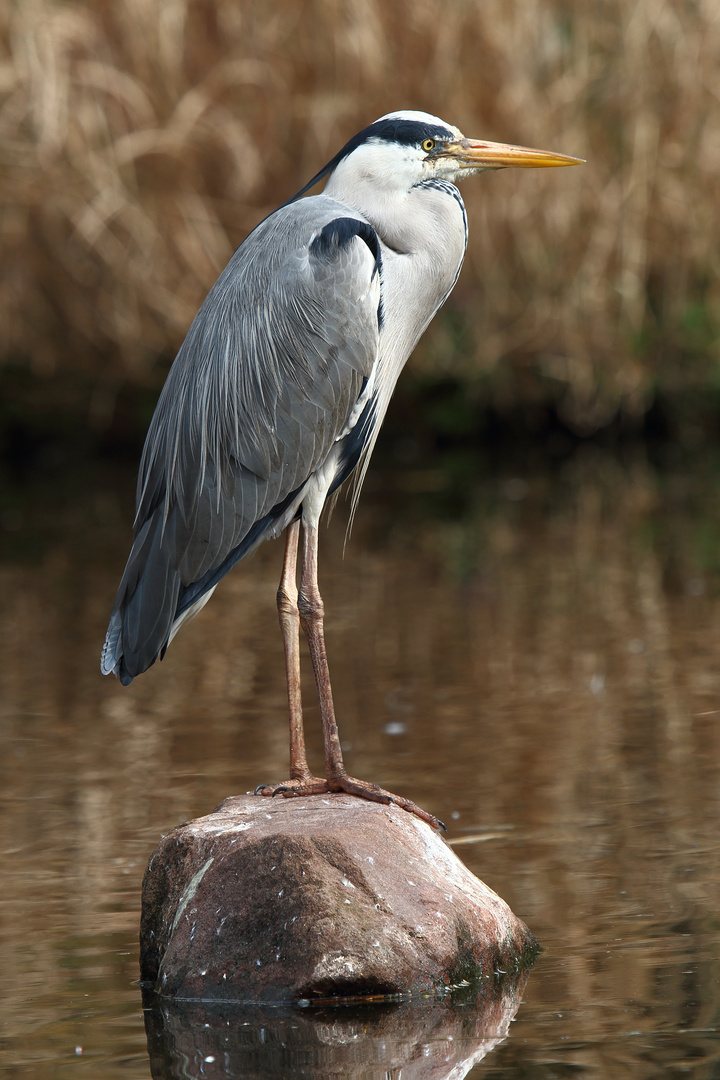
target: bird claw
365 790
348 785
312 785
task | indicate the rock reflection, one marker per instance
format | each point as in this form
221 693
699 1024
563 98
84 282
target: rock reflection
427 1040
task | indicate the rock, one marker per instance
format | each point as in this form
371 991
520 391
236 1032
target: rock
321 897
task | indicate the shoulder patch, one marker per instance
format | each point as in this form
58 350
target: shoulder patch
339 232
337 235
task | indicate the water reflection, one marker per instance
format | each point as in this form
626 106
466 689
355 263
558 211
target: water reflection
538 665
418 1040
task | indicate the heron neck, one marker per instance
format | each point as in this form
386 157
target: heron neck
423 232
423 235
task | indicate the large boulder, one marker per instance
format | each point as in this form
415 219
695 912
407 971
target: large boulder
320 897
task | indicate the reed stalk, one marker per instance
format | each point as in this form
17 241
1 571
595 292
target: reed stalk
141 139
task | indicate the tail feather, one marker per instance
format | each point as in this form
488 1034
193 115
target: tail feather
142 617
112 649
153 602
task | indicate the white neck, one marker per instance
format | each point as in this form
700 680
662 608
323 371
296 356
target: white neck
422 230
421 226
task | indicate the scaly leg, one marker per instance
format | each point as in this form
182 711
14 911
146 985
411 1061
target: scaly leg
311 610
301 781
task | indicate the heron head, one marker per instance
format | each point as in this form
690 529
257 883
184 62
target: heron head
444 151
401 149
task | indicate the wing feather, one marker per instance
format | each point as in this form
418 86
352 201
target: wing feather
262 387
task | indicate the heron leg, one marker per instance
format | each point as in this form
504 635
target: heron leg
287 596
311 611
306 608
301 779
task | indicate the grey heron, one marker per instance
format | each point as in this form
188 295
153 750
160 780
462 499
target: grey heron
278 392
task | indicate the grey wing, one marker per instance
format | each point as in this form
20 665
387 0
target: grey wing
261 390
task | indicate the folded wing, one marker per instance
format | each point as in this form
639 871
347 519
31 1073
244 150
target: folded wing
262 388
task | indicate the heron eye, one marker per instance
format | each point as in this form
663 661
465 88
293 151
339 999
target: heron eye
428 145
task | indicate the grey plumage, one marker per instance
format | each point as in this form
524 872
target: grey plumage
251 408
279 390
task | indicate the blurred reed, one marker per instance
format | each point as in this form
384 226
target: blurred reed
141 139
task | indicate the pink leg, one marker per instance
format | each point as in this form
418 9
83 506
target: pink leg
301 779
311 610
306 608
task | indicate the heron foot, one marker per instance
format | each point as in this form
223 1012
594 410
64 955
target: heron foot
349 785
365 790
310 785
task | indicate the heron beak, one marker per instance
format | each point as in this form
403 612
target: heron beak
471 154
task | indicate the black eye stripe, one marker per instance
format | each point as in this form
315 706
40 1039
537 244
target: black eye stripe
409 132
405 132
395 130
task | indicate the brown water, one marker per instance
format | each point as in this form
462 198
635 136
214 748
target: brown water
537 664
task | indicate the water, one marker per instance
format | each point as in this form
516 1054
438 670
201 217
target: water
534 659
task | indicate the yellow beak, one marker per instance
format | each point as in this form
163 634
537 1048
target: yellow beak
471 154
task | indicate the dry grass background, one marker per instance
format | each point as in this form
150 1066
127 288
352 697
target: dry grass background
141 139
